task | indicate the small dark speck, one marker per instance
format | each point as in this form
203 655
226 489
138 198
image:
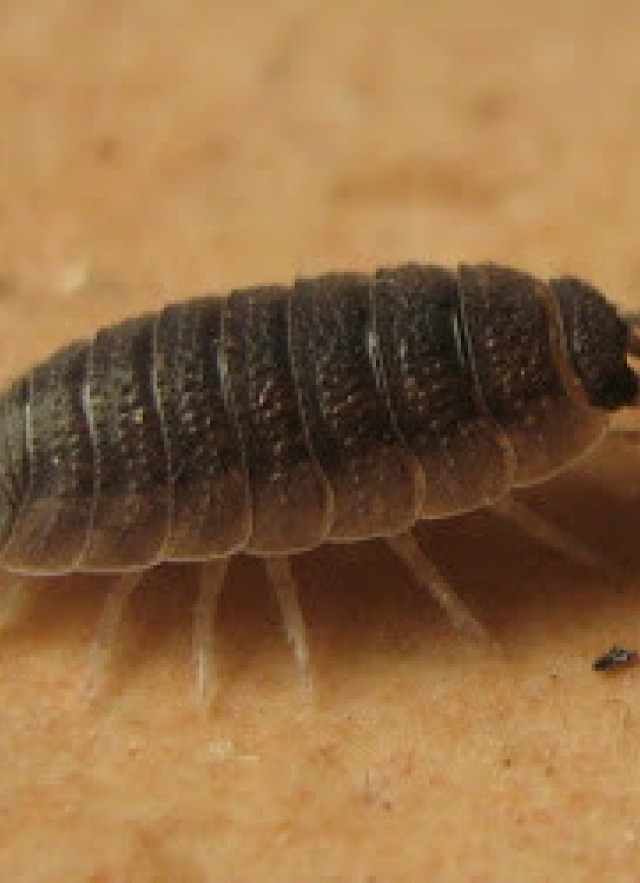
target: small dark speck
616 657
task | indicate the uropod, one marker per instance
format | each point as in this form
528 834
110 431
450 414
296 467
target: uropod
278 418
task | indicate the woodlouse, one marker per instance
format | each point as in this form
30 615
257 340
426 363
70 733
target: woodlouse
341 408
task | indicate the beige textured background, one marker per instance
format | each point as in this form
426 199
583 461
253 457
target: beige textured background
154 149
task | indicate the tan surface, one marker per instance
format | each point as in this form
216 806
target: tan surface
151 149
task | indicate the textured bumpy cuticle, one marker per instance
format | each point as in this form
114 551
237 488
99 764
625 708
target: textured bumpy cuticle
339 408
348 424
431 392
290 496
209 504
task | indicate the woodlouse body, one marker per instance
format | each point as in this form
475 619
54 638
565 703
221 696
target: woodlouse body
275 419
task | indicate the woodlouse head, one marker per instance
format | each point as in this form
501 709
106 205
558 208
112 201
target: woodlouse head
599 342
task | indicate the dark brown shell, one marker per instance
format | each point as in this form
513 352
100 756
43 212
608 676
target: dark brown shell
272 420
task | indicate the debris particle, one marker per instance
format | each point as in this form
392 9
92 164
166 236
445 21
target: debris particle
616 657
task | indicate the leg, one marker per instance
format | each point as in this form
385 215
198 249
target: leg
407 548
212 574
104 638
279 572
548 534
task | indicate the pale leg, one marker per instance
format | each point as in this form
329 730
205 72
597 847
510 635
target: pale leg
104 639
548 534
426 574
279 572
212 574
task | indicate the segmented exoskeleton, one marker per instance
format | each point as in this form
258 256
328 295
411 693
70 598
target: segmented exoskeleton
278 418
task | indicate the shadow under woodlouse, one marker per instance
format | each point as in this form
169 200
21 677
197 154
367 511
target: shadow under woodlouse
336 410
